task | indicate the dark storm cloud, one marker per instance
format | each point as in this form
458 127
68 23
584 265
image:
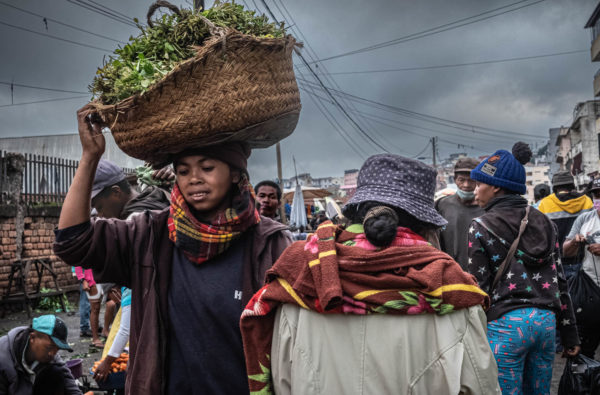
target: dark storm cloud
526 96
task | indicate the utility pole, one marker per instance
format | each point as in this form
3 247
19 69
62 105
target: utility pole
280 179
198 5
434 147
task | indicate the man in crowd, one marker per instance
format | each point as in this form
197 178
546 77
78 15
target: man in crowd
112 194
459 210
563 207
268 196
29 360
585 237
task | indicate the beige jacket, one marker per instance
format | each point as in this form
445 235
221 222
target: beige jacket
382 354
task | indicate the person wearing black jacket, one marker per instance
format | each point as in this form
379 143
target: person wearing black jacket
529 293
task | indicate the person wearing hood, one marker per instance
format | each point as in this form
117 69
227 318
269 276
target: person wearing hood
373 308
563 207
459 210
191 267
513 253
29 360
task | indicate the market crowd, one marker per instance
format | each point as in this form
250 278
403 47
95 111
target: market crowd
468 294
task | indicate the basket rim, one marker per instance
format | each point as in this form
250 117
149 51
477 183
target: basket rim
207 47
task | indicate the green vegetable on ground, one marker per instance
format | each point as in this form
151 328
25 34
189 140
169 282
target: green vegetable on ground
157 50
52 303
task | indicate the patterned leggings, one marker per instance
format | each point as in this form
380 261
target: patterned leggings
523 344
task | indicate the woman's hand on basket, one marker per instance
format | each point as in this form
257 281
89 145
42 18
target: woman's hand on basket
90 132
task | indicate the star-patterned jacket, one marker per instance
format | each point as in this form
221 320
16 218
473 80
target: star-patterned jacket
535 275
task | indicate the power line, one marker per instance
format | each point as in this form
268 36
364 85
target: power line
426 117
108 9
55 37
435 30
381 120
324 110
342 109
315 98
337 127
423 150
39 87
43 101
100 11
463 64
61 23
295 27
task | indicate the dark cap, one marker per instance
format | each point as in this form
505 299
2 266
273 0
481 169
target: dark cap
465 165
107 175
562 178
54 327
595 184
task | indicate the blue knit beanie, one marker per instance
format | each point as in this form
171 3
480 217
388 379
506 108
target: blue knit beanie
505 170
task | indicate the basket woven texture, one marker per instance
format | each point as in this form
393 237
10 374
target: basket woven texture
237 88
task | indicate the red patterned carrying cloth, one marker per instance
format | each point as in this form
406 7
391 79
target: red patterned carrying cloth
327 276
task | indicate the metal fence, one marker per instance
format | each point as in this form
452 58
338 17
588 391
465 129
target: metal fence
3 176
45 179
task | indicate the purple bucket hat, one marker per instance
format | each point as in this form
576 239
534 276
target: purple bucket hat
400 182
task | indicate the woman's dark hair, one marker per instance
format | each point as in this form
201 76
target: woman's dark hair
381 221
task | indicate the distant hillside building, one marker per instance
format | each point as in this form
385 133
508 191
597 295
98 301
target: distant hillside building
594 25
535 174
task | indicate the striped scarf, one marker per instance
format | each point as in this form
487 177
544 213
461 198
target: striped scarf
200 241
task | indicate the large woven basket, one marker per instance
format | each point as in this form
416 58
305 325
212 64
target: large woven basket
237 88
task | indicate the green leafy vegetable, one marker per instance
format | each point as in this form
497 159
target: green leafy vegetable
158 49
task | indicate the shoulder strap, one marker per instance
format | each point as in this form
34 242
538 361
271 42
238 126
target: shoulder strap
512 250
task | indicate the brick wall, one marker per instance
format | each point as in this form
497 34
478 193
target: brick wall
37 239
8 248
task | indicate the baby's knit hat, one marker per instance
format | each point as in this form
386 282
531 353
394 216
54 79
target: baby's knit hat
505 170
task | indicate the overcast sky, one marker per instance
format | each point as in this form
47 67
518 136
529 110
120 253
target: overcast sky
524 97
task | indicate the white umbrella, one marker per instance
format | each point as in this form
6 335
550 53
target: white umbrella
298 214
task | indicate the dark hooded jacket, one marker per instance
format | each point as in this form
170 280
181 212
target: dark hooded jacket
14 379
138 254
563 210
535 275
151 198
